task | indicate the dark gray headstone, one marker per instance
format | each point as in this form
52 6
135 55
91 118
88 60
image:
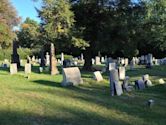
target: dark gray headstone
15 57
140 84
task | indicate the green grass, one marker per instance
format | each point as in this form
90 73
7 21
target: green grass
40 100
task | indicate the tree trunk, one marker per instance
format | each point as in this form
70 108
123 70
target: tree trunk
88 60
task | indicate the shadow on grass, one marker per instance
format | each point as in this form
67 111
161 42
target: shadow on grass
48 83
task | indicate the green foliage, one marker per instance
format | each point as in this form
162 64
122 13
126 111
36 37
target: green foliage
28 35
6 53
8 19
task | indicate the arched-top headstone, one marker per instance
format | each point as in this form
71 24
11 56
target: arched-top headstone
71 76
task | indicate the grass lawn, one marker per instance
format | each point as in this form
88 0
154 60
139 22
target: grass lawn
40 100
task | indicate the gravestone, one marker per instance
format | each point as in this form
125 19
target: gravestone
132 64
122 73
62 58
97 60
149 63
126 61
161 81
42 60
27 68
71 76
47 59
145 77
102 60
93 61
82 57
140 84
116 87
13 68
15 57
98 76
112 66
53 61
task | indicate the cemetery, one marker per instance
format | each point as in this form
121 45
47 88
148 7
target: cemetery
68 72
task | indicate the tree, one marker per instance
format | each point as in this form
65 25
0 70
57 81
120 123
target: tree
8 19
154 26
28 35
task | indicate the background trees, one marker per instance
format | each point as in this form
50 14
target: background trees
8 19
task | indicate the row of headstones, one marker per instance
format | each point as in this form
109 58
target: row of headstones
14 69
119 82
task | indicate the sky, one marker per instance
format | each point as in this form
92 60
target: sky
26 8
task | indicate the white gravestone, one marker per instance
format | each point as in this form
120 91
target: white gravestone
27 68
71 76
13 68
98 76
112 66
97 60
62 58
122 73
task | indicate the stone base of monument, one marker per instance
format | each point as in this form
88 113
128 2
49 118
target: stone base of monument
71 76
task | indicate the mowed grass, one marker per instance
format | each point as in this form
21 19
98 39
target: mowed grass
40 100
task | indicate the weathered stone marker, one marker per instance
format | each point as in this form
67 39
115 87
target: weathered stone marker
47 59
53 61
112 66
140 84
71 76
27 68
116 87
98 76
13 68
122 73
97 60
15 57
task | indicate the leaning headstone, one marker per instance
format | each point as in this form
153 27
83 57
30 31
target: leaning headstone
112 66
98 76
27 68
122 73
13 68
71 76
140 84
115 86
53 61
97 60
15 57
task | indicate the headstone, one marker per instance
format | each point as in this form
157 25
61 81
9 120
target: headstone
122 73
145 77
112 66
71 76
40 69
53 61
132 64
98 76
148 83
140 84
15 57
161 81
93 61
102 60
82 57
149 63
42 60
13 68
27 68
97 60
47 59
115 86
126 61
62 58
